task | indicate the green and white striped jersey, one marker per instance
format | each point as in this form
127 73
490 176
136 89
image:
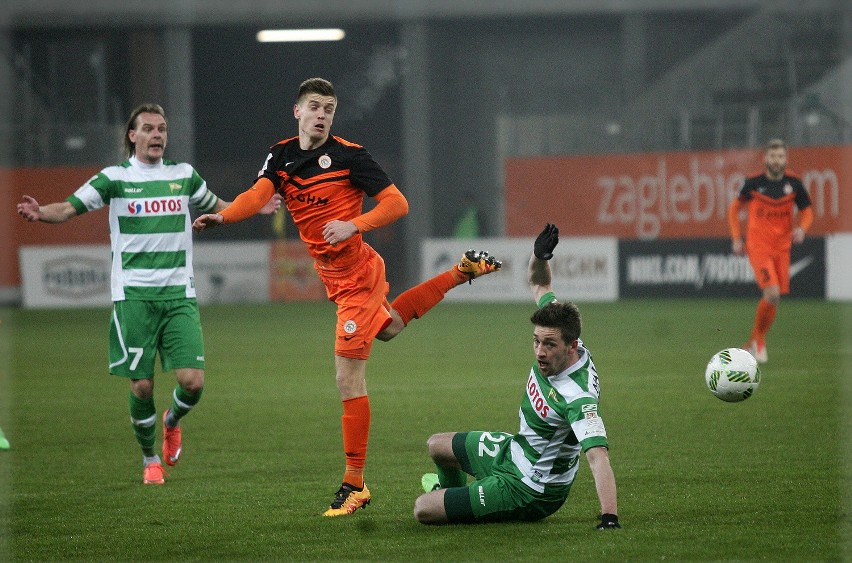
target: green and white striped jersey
559 420
150 225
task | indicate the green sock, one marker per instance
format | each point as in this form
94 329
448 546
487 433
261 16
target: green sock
182 403
449 477
143 415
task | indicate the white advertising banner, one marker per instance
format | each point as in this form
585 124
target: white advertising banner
231 272
65 276
838 263
584 268
79 276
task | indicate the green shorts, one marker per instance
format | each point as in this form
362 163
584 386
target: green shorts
495 495
141 329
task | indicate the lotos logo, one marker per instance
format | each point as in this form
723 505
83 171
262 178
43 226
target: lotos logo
153 206
536 399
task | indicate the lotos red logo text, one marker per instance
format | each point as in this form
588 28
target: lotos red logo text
154 206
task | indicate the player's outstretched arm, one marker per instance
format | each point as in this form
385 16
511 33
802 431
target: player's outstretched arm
245 205
58 212
270 208
538 274
605 486
207 220
213 219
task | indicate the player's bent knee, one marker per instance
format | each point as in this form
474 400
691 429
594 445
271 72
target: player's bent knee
191 380
436 443
772 295
426 510
193 387
395 327
419 513
142 388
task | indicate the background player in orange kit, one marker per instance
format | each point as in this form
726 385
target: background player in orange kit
323 180
769 199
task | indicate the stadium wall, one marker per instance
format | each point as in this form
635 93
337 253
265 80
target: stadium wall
225 272
664 195
46 185
606 205
668 212
585 269
707 268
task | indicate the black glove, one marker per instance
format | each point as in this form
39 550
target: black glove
546 242
608 522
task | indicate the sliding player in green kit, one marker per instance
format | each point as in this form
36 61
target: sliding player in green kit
527 476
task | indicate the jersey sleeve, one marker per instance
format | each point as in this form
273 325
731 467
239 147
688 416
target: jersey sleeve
802 199
202 199
392 206
586 422
366 174
747 189
249 202
92 195
269 169
733 217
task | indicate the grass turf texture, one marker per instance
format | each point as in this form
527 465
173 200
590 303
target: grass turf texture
698 478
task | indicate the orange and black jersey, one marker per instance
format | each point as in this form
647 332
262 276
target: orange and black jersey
324 184
770 210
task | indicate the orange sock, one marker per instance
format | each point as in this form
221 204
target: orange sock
416 302
356 432
763 319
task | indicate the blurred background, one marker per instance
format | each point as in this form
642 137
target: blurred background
442 93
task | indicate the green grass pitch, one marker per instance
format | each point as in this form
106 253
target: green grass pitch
699 479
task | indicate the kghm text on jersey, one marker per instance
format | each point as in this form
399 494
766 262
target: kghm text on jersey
309 199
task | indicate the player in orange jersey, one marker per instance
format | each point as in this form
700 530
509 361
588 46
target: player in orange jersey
769 199
323 180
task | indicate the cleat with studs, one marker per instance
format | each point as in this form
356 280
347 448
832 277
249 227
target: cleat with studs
430 482
172 443
154 474
347 500
477 263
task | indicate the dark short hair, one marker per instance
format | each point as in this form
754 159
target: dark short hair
562 316
776 144
130 147
319 86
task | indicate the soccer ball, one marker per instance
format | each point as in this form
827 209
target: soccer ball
732 375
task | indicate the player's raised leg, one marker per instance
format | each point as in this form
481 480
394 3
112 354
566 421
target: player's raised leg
417 301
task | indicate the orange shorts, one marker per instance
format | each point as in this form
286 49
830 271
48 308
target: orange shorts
360 293
771 269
